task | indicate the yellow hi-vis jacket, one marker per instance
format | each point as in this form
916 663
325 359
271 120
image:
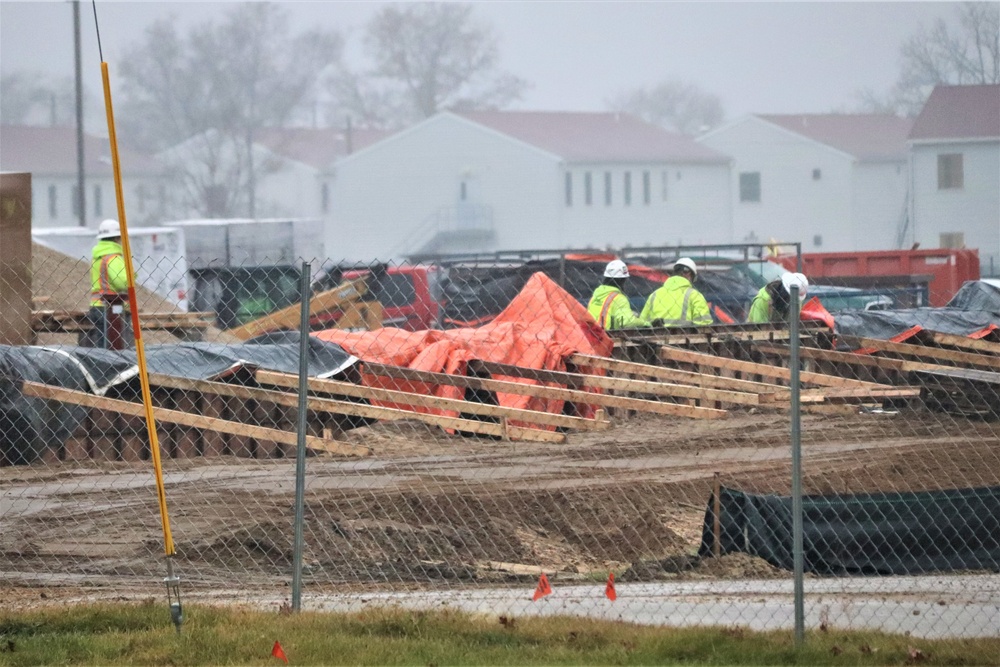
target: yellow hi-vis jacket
677 304
610 307
107 273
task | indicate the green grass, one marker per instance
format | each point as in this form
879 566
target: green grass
125 634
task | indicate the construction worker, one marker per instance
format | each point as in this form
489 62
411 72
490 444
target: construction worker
609 305
773 300
108 314
677 303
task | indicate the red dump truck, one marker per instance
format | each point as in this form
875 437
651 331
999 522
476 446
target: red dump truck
937 273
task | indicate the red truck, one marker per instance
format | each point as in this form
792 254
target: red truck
410 295
940 271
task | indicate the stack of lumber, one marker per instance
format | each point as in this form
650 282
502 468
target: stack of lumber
73 321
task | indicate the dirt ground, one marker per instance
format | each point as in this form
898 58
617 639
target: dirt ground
432 510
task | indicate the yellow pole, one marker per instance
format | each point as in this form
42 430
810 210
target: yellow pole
147 401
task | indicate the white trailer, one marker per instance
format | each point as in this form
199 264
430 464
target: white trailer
157 255
239 243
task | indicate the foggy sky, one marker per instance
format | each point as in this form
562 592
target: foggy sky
781 57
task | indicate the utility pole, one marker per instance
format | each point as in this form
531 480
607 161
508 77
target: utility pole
81 197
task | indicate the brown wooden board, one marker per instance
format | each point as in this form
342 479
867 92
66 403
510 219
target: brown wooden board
115 406
764 370
247 394
925 353
339 388
289 318
542 391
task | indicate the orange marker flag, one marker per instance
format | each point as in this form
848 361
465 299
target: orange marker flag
609 589
279 653
543 588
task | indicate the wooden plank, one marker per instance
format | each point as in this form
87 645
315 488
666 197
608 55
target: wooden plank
113 405
963 342
582 380
339 388
842 395
765 370
541 391
837 357
288 318
923 352
675 375
333 406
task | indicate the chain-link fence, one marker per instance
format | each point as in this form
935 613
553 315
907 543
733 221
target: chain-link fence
471 428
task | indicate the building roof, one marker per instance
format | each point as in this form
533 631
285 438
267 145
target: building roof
959 112
52 151
868 137
596 137
317 147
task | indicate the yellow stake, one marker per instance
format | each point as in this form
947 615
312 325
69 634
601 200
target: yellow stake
147 400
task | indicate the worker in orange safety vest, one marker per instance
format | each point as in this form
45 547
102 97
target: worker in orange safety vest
111 325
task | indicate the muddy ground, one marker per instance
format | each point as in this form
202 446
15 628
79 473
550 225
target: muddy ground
428 509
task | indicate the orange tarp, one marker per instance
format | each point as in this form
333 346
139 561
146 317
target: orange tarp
540 328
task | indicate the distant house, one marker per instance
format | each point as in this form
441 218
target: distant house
955 145
49 154
211 175
835 182
482 181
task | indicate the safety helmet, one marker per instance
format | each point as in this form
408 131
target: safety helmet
789 279
616 269
687 263
108 229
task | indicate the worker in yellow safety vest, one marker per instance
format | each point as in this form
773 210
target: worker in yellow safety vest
772 301
609 305
677 303
108 314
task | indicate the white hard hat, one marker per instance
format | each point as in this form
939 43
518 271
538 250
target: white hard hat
789 279
687 263
108 229
616 269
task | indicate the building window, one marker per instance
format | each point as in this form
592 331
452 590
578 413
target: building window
750 186
818 240
76 201
53 209
645 188
666 179
628 188
607 188
817 174
588 189
98 204
950 174
463 192
324 197
569 188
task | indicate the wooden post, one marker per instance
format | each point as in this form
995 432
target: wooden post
213 442
717 517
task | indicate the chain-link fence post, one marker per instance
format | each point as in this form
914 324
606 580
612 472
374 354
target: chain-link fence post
796 466
301 426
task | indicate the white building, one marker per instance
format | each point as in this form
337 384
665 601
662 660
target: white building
481 181
955 147
49 155
835 182
212 178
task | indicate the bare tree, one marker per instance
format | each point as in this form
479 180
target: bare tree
675 105
231 79
425 57
31 98
965 53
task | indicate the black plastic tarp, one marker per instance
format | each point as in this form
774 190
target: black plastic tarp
29 425
977 295
885 324
880 533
